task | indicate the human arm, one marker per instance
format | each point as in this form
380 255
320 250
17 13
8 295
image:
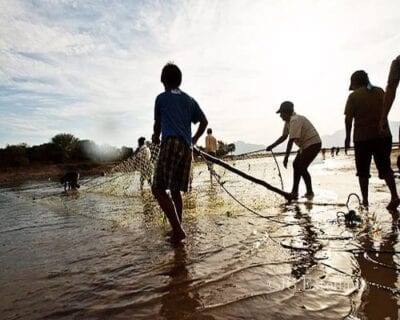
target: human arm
349 112
282 138
155 138
390 94
288 150
388 99
348 124
203 122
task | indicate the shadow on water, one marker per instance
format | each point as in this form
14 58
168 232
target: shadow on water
178 302
381 270
309 240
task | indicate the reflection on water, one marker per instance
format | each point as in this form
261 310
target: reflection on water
177 301
103 253
380 269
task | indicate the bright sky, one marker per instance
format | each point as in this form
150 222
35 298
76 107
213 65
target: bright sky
92 68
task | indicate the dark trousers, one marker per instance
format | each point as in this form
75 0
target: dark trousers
301 164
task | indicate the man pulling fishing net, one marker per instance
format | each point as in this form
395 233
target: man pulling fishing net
174 113
300 131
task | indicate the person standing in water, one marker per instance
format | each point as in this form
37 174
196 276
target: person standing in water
143 156
211 143
364 105
174 113
211 148
300 131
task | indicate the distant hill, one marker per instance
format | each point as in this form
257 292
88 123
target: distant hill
334 140
337 138
244 147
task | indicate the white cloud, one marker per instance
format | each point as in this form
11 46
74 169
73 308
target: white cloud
94 67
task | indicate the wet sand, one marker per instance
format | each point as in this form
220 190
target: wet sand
103 252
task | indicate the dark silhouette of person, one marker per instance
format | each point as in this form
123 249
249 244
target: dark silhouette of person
364 107
70 180
174 112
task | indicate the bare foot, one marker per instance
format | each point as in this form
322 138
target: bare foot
291 196
169 233
309 195
178 236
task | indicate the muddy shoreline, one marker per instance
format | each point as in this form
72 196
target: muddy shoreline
52 172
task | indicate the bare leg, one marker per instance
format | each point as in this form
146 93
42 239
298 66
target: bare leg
296 175
296 181
394 201
307 180
364 189
177 199
168 207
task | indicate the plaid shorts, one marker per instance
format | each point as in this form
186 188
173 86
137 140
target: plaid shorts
173 166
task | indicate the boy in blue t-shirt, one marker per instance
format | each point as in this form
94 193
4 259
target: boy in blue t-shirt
174 113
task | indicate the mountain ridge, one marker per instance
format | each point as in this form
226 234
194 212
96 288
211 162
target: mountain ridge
335 139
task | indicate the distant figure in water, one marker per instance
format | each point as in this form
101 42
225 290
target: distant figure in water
364 106
211 143
211 147
300 131
323 150
70 180
174 113
332 152
143 155
337 150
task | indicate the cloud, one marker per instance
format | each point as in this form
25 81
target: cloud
93 67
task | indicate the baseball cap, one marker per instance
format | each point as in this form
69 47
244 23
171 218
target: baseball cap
286 106
359 77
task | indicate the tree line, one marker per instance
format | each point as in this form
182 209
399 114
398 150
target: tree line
65 148
62 148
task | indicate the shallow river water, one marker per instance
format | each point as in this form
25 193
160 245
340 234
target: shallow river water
103 252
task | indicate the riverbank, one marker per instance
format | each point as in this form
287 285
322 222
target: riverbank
52 172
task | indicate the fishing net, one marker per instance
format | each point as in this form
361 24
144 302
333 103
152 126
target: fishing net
129 175
210 185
